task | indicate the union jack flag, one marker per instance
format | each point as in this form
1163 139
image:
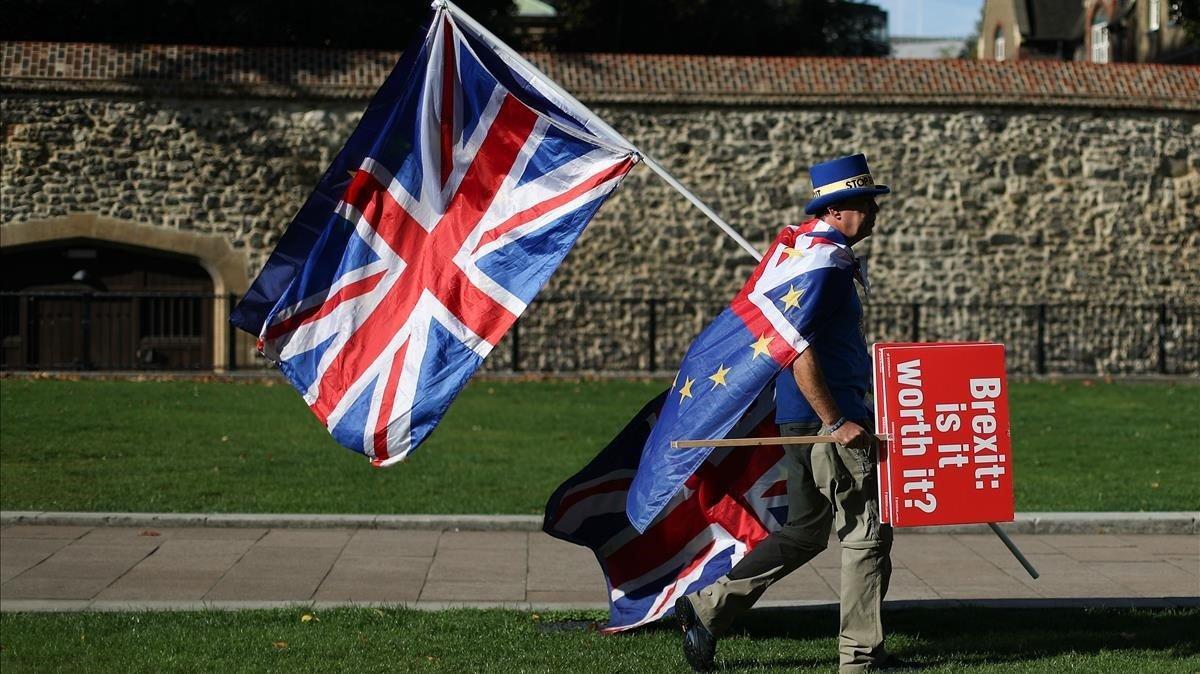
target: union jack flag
465 184
735 499
739 354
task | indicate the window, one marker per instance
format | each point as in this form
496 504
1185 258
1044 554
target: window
1100 47
1155 15
998 44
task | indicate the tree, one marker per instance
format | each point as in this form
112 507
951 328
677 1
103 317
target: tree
1186 13
365 24
781 27
970 46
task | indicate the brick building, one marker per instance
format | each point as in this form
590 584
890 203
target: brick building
1099 31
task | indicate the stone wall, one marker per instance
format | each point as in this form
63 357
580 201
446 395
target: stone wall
987 205
233 168
991 204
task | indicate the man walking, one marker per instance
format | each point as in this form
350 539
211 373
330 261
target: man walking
830 485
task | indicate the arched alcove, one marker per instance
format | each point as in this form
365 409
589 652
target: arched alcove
86 252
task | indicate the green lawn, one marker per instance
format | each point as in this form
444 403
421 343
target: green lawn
377 640
250 447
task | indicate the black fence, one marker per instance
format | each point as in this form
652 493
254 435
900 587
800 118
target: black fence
107 331
650 335
164 331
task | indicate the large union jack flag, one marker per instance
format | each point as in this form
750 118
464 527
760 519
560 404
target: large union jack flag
465 184
734 500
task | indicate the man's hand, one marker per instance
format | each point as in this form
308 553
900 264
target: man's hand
852 435
811 382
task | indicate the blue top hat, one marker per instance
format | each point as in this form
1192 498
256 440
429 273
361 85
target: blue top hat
841 179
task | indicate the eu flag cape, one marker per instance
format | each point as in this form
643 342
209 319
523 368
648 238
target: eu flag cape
738 355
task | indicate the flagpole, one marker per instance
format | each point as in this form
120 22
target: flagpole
506 52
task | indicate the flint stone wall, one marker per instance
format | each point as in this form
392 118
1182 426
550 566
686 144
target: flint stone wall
1011 205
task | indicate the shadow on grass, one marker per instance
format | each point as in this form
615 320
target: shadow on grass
979 636
735 664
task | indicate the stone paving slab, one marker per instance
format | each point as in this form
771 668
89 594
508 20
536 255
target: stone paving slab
384 542
113 567
15 560
51 531
356 579
141 586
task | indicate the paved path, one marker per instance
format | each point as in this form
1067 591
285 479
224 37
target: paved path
73 568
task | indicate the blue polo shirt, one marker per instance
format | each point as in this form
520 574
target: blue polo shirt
835 335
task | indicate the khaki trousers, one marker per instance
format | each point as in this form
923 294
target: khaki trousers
828 485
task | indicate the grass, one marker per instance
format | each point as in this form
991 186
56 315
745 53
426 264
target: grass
248 447
1106 446
381 640
188 446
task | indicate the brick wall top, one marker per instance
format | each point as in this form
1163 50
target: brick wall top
612 78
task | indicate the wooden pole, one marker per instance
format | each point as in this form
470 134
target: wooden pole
757 442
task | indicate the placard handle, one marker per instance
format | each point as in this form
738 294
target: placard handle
758 442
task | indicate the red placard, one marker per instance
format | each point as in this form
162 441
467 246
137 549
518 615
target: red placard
948 459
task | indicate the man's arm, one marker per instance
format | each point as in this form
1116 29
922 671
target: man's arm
811 381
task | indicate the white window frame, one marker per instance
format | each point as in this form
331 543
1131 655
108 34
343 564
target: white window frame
1155 21
998 46
1101 48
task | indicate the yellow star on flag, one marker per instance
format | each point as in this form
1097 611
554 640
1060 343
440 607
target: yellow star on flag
762 346
686 390
792 299
792 252
718 377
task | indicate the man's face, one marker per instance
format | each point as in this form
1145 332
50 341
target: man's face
855 217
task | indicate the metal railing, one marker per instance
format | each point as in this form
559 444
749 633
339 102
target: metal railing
106 331
178 331
651 335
